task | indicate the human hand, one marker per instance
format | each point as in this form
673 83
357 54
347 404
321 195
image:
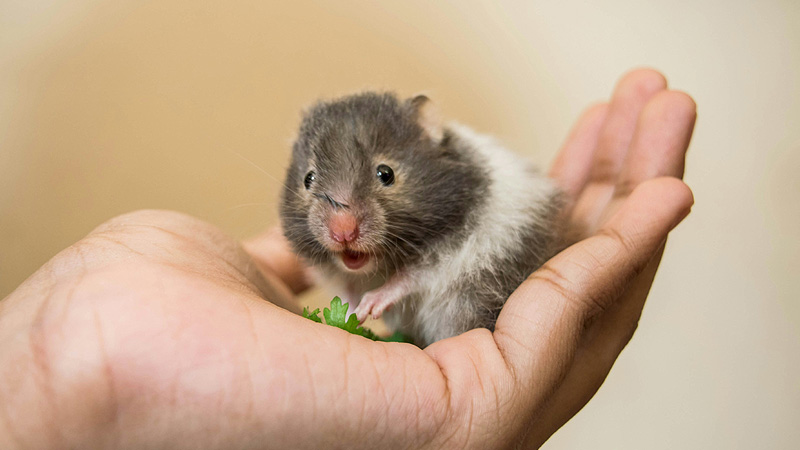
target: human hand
153 330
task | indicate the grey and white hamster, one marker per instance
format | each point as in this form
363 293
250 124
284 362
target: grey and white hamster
398 209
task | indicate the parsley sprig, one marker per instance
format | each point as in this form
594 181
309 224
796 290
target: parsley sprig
336 316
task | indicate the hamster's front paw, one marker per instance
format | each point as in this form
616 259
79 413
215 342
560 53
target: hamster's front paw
374 303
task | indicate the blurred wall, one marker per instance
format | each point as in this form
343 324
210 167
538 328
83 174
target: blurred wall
111 106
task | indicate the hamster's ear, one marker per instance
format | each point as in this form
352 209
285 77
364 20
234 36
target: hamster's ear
428 117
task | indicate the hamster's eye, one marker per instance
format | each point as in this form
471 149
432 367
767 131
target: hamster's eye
310 177
385 174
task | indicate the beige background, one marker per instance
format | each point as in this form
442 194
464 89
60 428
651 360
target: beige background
110 106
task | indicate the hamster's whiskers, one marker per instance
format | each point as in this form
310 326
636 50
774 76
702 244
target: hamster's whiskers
262 170
248 204
402 239
416 227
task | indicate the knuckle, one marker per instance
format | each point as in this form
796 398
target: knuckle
624 188
586 303
67 322
624 250
616 240
605 169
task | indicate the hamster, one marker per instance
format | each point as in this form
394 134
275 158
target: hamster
430 225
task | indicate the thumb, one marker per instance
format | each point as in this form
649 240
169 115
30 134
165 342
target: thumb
543 321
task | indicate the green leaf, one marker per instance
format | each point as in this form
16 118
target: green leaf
336 316
312 315
351 326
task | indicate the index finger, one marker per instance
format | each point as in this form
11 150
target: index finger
541 325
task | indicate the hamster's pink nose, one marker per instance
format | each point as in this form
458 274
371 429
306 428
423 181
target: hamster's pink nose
343 228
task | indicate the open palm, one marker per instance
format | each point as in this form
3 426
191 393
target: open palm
153 331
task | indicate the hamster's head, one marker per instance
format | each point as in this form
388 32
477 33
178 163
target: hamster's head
373 182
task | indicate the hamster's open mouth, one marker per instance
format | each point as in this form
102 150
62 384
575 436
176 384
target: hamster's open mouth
354 260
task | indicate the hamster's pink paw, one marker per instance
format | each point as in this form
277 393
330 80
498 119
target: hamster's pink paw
374 303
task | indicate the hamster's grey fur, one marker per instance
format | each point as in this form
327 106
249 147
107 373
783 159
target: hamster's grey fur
463 225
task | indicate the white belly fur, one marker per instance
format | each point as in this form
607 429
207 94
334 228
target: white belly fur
515 189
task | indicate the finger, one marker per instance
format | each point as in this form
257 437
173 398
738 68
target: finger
542 324
658 148
273 255
597 353
573 163
630 96
660 142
